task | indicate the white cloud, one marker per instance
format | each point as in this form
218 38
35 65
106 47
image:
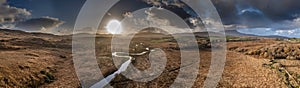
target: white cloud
10 14
157 18
165 3
19 19
127 14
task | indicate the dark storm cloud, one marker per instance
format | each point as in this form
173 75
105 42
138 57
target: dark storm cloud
180 9
245 12
275 10
170 3
44 24
12 14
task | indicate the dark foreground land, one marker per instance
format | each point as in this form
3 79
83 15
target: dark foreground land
44 60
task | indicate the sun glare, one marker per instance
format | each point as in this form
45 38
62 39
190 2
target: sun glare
114 27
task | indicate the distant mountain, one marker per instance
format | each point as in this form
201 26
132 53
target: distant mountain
227 33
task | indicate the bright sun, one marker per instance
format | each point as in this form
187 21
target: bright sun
114 27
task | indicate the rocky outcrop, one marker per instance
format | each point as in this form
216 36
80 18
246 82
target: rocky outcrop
277 51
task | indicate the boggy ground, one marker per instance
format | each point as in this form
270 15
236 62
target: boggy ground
35 60
43 60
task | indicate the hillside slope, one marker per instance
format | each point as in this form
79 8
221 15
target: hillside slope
35 59
45 60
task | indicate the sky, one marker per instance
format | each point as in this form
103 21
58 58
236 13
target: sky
64 10
59 15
